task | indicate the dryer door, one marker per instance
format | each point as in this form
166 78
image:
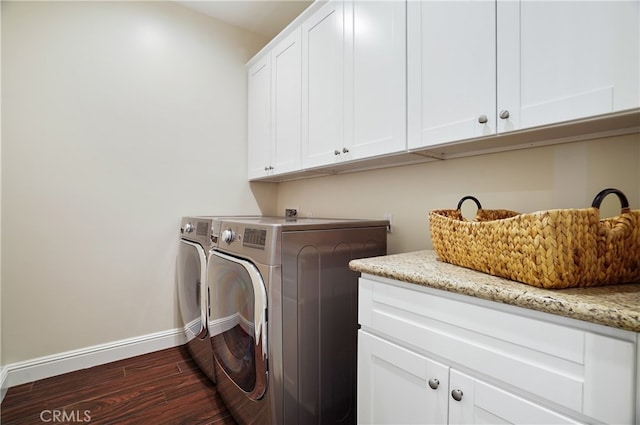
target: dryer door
192 300
238 322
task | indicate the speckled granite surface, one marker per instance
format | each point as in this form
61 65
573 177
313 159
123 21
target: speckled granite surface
617 306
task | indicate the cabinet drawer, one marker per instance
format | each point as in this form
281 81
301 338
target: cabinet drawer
578 369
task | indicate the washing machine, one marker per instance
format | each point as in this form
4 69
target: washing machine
191 267
283 316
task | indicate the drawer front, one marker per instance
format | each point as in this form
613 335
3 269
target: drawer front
580 370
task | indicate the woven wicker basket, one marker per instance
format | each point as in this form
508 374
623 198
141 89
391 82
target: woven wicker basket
551 249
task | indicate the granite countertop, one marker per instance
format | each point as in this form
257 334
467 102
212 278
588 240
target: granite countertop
617 306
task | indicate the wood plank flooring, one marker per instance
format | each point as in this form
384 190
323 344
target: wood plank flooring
164 387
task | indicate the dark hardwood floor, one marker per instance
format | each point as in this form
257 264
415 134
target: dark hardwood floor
164 387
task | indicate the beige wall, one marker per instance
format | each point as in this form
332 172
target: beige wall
562 176
119 119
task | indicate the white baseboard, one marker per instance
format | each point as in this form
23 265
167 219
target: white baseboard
44 367
3 378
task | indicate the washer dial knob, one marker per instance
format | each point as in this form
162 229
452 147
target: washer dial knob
188 228
228 235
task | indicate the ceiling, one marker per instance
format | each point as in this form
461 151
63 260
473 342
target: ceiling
263 17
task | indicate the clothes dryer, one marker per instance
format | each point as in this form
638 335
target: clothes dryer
283 316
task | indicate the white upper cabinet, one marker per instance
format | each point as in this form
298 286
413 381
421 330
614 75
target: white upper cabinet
359 84
275 90
322 79
484 67
574 59
259 118
451 70
286 71
375 77
353 67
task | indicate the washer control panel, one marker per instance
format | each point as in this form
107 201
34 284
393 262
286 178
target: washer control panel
196 229
247 239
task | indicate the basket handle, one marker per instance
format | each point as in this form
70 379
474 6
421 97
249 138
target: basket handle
600 196
469 197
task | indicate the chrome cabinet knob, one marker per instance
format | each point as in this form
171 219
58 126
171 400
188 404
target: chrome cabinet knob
336 152
434 383
457 395
482 119
345 150
504 114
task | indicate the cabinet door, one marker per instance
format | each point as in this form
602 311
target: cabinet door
375 77
563 60
322 79
394 384
259 119
286 69
451 70
475 402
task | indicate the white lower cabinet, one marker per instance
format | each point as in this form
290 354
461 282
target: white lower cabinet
427 356
399 386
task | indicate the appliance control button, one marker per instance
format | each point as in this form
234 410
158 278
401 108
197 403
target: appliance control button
188 228
228 235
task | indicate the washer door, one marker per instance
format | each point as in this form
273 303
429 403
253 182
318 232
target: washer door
191 274
238 322
192 300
